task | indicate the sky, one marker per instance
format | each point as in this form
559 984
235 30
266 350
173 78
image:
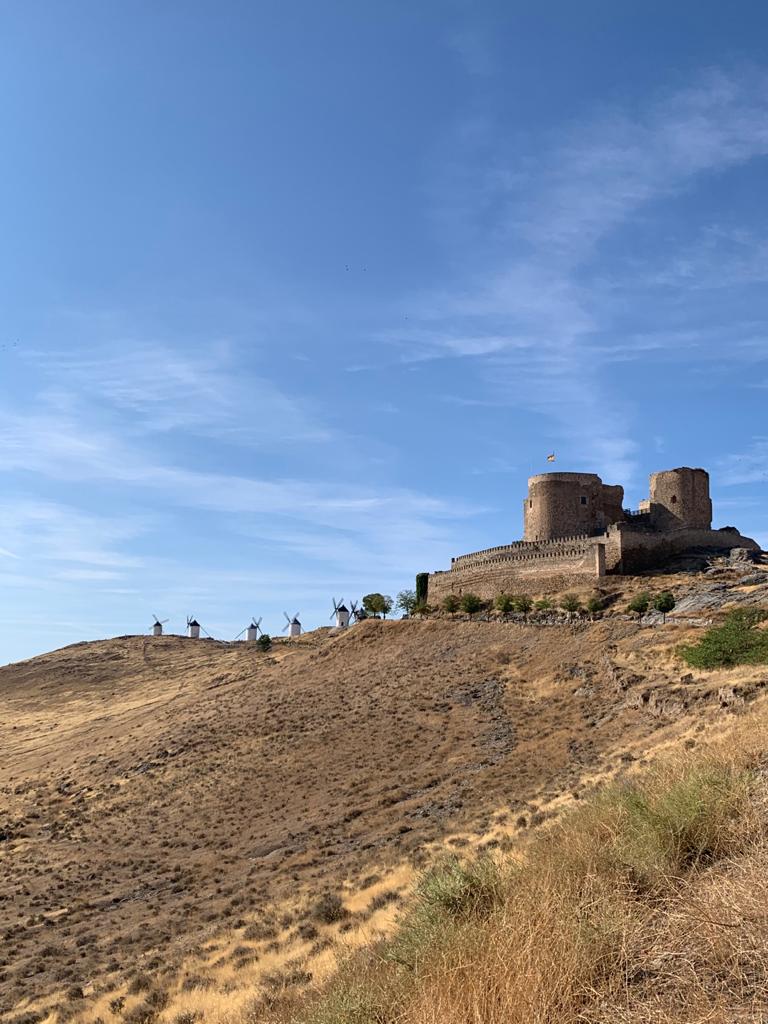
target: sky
294 296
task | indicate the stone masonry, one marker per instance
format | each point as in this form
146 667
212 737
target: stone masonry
576 530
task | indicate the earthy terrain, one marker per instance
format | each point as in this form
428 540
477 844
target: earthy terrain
187 827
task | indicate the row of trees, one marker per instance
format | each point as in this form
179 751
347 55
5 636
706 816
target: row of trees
508 604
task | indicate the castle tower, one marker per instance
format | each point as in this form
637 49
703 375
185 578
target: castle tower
568 504
680 498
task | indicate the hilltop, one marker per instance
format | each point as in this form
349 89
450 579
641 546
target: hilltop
206 823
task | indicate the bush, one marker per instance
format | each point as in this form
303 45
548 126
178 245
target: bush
595 604
523 603
329 908
736 642
544 604
264 642
406 601
470 603
451 603
570 603
664 602
461 889
504 603
640 602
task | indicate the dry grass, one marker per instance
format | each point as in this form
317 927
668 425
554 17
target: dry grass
178 810
648 904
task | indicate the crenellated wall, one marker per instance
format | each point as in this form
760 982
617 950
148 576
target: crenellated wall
576 530
524 567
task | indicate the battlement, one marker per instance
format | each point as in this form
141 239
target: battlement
576 529
524 550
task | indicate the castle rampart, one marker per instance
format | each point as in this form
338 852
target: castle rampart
576 531
565 504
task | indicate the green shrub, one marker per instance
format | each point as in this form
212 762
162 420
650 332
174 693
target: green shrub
595 604
570 603
264 642
544 604
461 889
640 602
664 602
736 642
523 603
451 603
505 603
470 603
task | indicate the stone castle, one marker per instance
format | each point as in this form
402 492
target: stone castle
577 530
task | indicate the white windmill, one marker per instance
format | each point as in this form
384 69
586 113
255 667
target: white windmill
292 625
193 628
341 612
252 632
157 626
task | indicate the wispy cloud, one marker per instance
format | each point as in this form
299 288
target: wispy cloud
203 393
748 467
535 310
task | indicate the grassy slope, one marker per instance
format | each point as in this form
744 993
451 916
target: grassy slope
647 904
177 810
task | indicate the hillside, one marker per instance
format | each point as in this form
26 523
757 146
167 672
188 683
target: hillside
182 817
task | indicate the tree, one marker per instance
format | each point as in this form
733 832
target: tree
406 601
523 603
451 603
264 642
505 603
664 602
595 604
471 603
377 604
640 602
570 603
543 604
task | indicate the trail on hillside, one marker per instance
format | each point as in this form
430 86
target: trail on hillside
155 794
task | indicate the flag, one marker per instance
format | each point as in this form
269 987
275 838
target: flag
551 458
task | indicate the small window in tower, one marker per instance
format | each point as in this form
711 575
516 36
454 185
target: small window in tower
530 504
583 499
674 499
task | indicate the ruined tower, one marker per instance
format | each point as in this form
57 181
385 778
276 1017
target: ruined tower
569 504
680 498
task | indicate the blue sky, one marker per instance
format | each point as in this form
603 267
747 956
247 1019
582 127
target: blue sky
294 296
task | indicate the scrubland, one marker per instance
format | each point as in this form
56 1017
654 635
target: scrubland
440 820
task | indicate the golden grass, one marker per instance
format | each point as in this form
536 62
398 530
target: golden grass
648 904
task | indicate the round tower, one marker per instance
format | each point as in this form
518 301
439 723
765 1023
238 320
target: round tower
680 498
563 505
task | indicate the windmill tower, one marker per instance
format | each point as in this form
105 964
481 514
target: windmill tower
157 626
252 632
341 612
193 628
292 625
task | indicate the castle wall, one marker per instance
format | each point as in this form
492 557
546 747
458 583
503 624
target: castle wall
629 549
545 567
576 530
